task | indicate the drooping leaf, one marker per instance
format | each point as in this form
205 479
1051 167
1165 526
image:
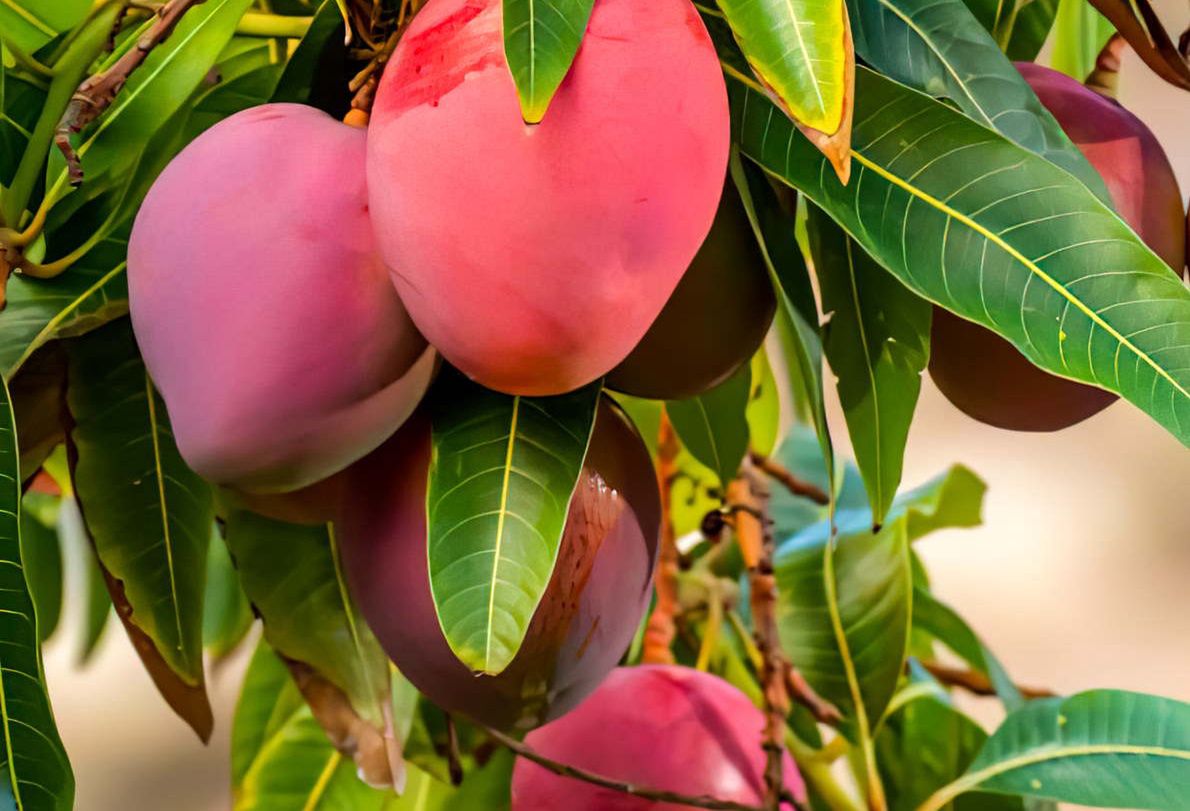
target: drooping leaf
41 554
541 38
227 616
713 426
309 619
797 311
1107 748
944 624
998 235
33 761
21 100
501 476
319 59
1079 34
938 47
154 94
29 24
877 342
148 515
801 52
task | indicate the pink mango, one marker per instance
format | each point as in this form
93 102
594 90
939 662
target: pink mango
263 312
657 726
535 257
591 608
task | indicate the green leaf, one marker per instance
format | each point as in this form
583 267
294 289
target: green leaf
309 619
268 698
21 101
1034 20
227 616
714 425
96 602
877 342
944 624
797 311
541 38
155 93
148 515
764 406
843 613
41 554
501 476
1080 32
999 236
91 294
797 48
36 771
29 24
1107 748
305 72
926 744
938 47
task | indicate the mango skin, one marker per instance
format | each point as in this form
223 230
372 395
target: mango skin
714 321
661 726
983 374
587 617
265 316
535 257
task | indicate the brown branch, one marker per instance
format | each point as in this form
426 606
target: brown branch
661 629
823 711
454 761
575 773
976 683
748 494
98 92
799 487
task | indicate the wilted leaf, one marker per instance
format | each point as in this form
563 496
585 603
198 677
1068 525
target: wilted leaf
148 515
501 476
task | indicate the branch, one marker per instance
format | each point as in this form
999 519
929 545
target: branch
748 495
575 773
799 487
660 632
823 711
976 683
98 92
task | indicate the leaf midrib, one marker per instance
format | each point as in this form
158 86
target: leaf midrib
972 780
489 633
11 442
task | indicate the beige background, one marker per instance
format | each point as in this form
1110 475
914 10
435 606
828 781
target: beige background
1079 578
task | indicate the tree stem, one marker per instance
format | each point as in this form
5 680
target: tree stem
661 629
799 487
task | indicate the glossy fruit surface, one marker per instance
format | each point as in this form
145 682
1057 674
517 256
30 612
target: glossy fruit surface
535 257
715 319
587 617
983 374
263 312
661 726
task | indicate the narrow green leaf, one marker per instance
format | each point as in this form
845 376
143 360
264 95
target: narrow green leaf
501 476
1080 32
305 71
1107 748
764 406
148 515
268 699
29 24
998 235
797 49
309 619
33 761
41 554
21 101
227 616
96 602
877 342
154 93
1030 30
938 47
944 624
797 312
541 38
714 425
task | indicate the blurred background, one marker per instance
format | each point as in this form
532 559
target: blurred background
1079 577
